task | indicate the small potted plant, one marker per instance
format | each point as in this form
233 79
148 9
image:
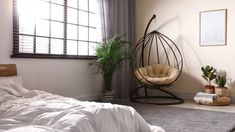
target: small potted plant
221 90
209 75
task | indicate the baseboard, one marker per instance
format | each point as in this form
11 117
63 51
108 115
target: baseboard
91 97
185 96
233 99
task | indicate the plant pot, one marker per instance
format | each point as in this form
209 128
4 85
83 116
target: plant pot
209 89
108 96
221 91
107 84
108 92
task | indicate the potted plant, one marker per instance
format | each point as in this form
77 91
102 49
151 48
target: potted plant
221 90
209 75
110 55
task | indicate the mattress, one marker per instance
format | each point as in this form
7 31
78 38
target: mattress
23 110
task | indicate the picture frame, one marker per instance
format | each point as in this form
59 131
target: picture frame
213 28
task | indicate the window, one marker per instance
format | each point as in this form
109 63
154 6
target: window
56 28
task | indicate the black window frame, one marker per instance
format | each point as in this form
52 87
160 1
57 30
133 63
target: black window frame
16 44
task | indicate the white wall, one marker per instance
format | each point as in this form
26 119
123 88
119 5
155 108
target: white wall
71 78
179 19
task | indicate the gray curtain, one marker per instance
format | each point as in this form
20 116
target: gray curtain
118 18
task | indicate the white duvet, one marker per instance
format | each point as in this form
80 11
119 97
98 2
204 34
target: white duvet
37 111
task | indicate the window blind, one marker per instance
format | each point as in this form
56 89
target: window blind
56 28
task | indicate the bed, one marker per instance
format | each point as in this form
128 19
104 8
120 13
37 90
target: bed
23 110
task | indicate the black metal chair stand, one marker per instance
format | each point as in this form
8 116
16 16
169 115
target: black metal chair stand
158 64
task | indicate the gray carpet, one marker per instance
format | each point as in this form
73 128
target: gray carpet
174 119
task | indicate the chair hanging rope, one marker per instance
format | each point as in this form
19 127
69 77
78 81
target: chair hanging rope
158 65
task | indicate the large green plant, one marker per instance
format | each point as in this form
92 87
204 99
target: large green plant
110 55
208 73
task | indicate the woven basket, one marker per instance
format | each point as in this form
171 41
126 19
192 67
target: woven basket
220 101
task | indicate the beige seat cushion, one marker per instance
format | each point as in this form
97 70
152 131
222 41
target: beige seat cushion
157 74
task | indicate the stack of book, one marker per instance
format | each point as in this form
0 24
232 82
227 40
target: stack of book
203 98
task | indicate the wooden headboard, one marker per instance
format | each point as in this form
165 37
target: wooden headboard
8 70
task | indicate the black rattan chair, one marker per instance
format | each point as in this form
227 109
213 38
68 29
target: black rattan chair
158 64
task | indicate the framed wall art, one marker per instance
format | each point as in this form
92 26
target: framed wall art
213 27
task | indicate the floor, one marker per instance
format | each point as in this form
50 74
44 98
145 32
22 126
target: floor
193 105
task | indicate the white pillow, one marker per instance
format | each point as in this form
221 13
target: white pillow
11 79
13 89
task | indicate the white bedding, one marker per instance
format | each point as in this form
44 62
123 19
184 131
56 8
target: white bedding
37 111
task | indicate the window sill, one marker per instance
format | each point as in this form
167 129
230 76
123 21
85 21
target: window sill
47 56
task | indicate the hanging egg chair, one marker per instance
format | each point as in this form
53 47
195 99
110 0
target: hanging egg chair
158 65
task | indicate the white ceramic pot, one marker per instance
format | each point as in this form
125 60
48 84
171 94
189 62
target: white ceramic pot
221 91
